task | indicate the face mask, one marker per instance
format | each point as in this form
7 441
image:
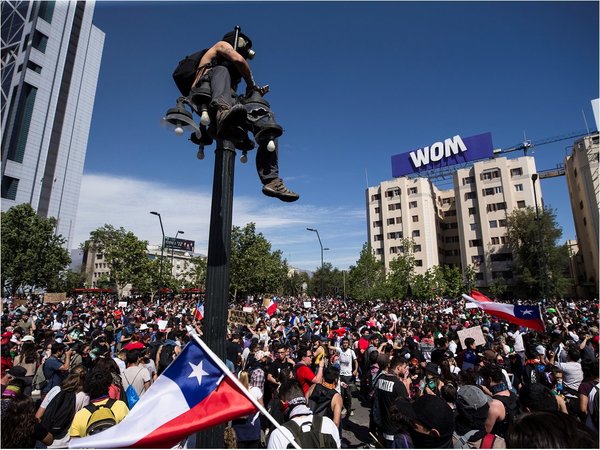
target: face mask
559 386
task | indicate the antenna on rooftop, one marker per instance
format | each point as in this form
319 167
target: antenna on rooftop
585 120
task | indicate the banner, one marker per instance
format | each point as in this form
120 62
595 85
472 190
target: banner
55 297
162 325
471 305
180 244
473 332
248 309
122 304
237 317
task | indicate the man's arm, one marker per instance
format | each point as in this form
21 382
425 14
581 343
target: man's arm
319 376
226 51
336 406
496 413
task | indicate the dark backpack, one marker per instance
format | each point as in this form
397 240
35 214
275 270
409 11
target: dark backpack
593 406
313 438
101 417
166 357
319 401
59 414
186 70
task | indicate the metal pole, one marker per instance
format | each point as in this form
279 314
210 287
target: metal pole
321 245
217 275
540 248
162 252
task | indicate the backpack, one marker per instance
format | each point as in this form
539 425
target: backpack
39 381
131 394
101 417
594 405
59 414
166 357
186 70
313 438
487 441
319 401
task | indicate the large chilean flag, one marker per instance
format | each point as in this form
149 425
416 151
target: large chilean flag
527 316
192 394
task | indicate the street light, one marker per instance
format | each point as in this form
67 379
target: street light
322 249
162 250
173 250
540 247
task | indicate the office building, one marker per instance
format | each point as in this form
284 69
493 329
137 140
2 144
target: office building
581 169
51 55
462 226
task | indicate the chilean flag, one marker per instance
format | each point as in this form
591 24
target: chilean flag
478 296
272 307
192 394
526 316
198 311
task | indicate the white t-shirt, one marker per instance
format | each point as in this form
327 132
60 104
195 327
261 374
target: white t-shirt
137 376
347 359
278 436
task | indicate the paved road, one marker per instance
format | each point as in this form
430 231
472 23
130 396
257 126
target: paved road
355 429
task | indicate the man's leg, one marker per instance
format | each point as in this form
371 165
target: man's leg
267 166
347 394
222 102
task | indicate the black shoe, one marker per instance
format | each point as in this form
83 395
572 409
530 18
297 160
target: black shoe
277 189
228 119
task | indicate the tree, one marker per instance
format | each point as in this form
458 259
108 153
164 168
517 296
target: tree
254 269
126 254
540 263
367 277
294 283
194 273
453 281
401 271
32 255
497 287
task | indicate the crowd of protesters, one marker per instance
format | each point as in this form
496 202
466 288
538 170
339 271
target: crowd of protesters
403 360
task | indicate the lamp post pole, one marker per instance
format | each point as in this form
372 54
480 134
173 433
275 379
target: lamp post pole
173 250
540 246
162 252
321 245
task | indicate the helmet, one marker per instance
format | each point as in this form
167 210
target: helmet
244 44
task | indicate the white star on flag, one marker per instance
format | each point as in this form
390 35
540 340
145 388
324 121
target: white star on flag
527 312
198 372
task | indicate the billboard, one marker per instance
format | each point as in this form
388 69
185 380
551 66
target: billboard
179 244
450 151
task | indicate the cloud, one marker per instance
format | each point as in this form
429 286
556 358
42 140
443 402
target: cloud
126 202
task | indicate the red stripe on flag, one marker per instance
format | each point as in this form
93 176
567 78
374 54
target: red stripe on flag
227 402
479 296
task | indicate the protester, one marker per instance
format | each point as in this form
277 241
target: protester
20 428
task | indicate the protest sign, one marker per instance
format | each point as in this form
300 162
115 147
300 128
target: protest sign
55 297
447 310
162 325
308 304
240 317
248 309
473 332
122 304
471 305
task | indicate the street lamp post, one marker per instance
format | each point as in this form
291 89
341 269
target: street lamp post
173 250
162 252
540 246
322 249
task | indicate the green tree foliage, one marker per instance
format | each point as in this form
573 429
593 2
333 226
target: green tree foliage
293 285
366 279
126 254
401 271
32 255
333 281
255 269
540 264
194 273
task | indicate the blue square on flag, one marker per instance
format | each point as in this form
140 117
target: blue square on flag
527 312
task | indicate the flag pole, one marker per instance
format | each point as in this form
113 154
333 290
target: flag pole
238 383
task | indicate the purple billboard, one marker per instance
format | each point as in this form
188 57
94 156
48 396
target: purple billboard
450 151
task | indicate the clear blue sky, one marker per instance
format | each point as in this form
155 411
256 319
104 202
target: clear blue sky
352 84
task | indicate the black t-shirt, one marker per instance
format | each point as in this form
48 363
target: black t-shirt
232 349
276 366
389 388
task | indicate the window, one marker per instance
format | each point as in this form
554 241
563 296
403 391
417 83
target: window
498 190
412 205
99 256
451 239
497 257
450 213
46 11
495 241
473 226
33 66
375 197
377 223
391 221
479 276
40 40
416 233
399 219
519 187
9 187
412 190
502 222
472 211
419 263
487 191
378 237
377 210
581 204
447 201
521 204
490 174
470 195
18 140
379 251
503 240
496 206
493 224
475 243
468 180
415 218
516 172
416 248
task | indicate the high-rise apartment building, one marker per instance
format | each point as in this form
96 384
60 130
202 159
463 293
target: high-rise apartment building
51 56
581 168
462 226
